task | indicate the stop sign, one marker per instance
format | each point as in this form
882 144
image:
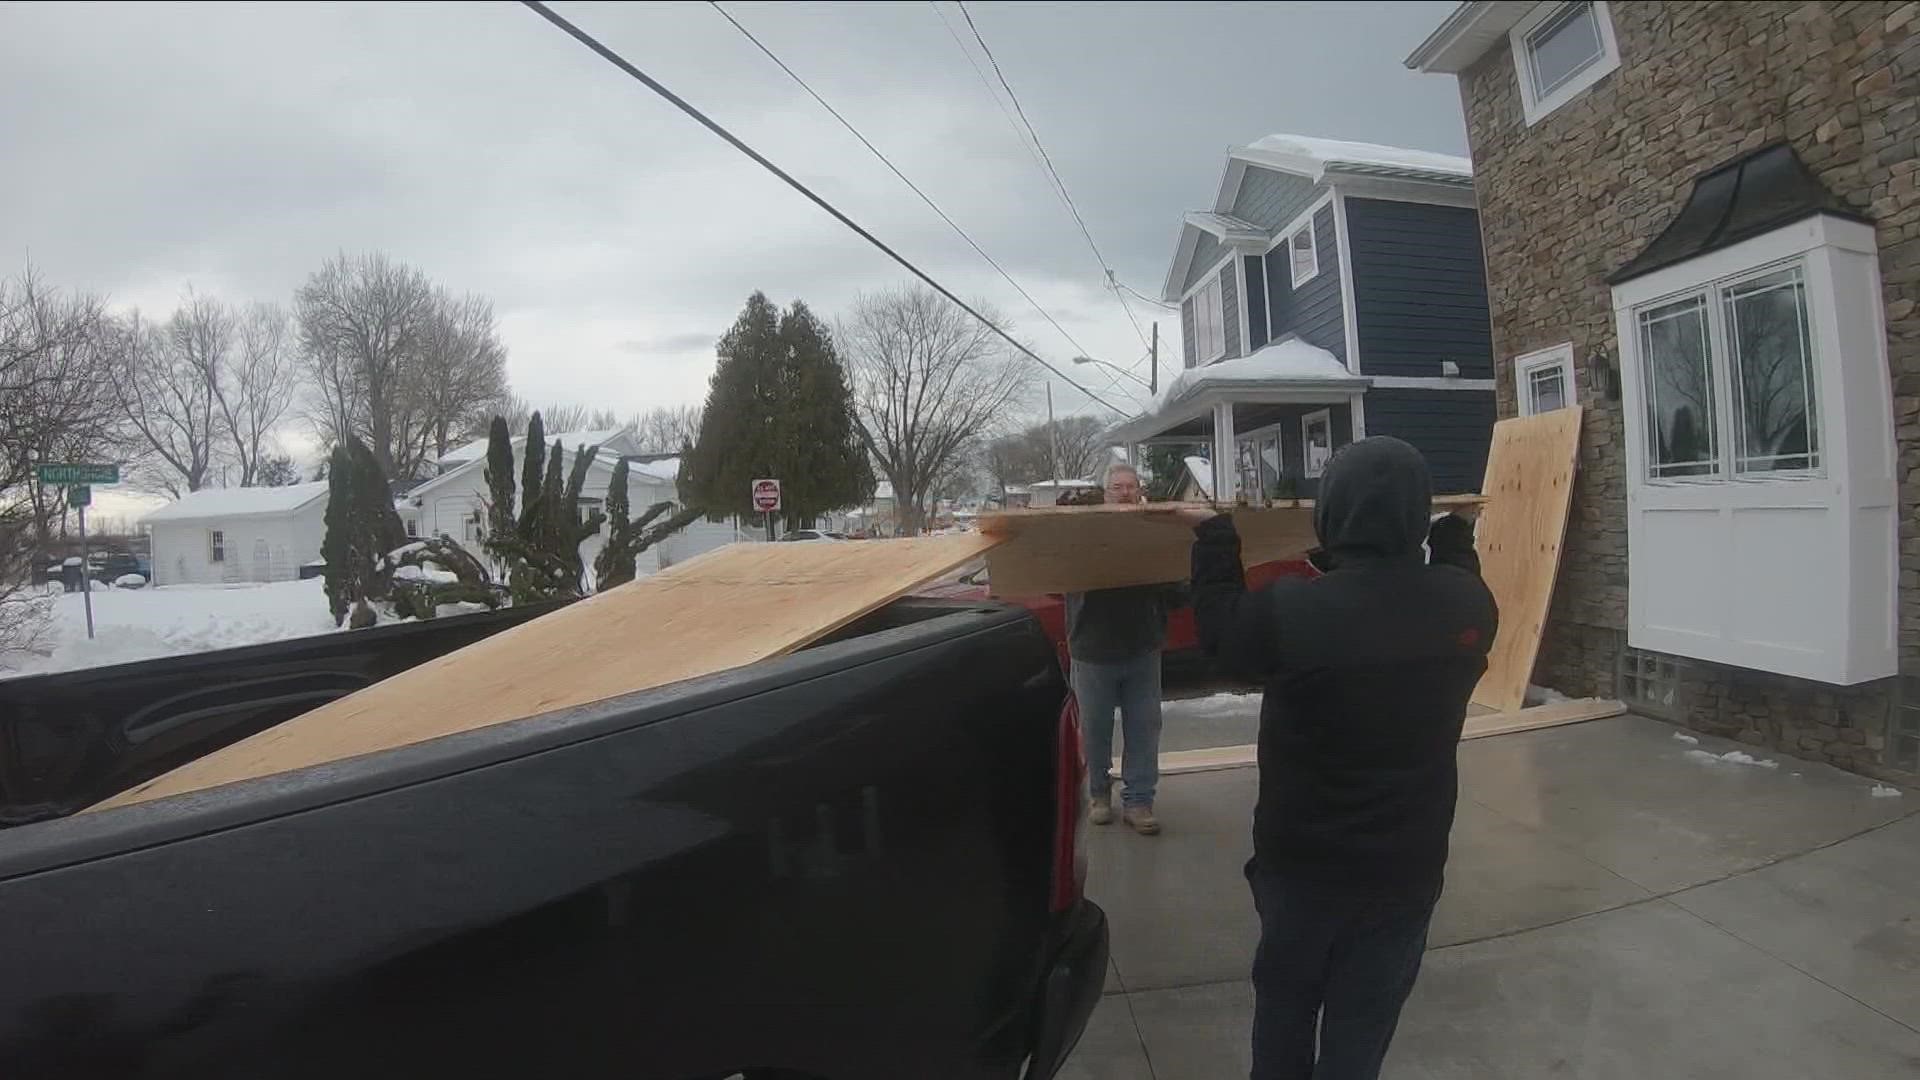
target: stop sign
766 496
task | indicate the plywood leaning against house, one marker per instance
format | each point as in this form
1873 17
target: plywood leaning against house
724 609
1060 549
1529 486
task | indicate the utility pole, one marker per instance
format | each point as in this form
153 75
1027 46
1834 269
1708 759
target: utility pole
1153 384
1053 439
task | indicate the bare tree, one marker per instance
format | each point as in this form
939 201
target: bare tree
254 388
929 381
667 429
363 323
458 380
56 403
168 389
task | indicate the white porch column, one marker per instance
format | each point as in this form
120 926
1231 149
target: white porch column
1225 454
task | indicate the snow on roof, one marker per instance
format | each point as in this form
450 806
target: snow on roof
1285 150
1289 360
1074 483
239 502
666 470
569 439
1202 472
884 490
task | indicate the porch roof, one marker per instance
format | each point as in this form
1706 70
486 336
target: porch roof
1287 372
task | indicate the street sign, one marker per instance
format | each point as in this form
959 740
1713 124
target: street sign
766 496
78 474
79 495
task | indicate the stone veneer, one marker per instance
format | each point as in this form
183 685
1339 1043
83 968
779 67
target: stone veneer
1567 201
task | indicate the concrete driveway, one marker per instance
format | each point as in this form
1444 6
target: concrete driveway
1616 907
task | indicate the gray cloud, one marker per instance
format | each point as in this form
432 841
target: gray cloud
236 147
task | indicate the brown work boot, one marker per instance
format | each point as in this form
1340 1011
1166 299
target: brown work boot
1141 820
1100 809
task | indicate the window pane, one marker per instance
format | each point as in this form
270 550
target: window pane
1562 47
1679 387
1772 361
1548 386
1302 246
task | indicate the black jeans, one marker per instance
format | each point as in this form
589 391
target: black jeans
1334 966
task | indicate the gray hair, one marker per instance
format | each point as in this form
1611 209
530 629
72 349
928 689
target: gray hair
1118 467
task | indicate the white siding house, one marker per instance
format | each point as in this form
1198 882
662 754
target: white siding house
454 503
227 535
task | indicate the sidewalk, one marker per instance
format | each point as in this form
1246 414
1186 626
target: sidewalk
1615 908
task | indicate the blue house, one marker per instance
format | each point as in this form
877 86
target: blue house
1335 290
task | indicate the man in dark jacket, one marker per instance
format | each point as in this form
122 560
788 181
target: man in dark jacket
1368 670
1114 638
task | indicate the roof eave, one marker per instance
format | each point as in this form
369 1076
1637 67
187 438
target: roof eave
1466 35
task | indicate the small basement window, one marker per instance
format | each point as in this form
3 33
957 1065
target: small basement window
1903 748
1543 380
1649 683
1559 50
1306 262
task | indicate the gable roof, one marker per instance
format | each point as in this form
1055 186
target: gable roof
666 471
239 502
1318 160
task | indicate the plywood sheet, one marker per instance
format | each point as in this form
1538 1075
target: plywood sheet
1061 549
726 608
1529 486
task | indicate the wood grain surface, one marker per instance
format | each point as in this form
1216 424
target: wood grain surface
1530 471
726 608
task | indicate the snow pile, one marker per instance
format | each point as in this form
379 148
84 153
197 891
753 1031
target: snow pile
1544 695
141 624
1287 361
1336 152
1216 705
129 581
1882 791
1681 736
428 571
1731 757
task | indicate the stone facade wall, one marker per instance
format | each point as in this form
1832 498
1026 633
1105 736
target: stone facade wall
1567 201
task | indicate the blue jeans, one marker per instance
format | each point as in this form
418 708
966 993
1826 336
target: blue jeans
1333 967
1133 687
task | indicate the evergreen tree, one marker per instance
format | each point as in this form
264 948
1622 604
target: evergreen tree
499 477
336 546
627 539
778 405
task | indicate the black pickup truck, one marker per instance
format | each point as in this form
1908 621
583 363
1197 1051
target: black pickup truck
858 862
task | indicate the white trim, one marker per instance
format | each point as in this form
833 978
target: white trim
1524 365
1204 277
1306 444
1704 554
1246 312
1202 346
1465 35
1407 190
1319 203
1226 454
1171 289
1426 382
1349 311
1537 109
1293 254
1357 409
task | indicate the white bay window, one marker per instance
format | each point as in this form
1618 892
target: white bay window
1760 490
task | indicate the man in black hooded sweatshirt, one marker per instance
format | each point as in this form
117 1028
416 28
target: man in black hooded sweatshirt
1367 670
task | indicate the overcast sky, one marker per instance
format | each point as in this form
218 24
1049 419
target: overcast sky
236 147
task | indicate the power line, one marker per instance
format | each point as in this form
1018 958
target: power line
760 159
884 160
1059 184
988 83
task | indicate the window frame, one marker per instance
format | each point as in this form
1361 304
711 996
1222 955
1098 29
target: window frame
1535 105
1214 312
1559 357
1308 468
216 545
1728 403
1313 250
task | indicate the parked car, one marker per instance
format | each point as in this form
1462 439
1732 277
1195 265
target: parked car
108 567
1183 638
860 861
811 534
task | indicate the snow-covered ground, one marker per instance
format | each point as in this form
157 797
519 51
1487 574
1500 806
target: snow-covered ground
139 624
